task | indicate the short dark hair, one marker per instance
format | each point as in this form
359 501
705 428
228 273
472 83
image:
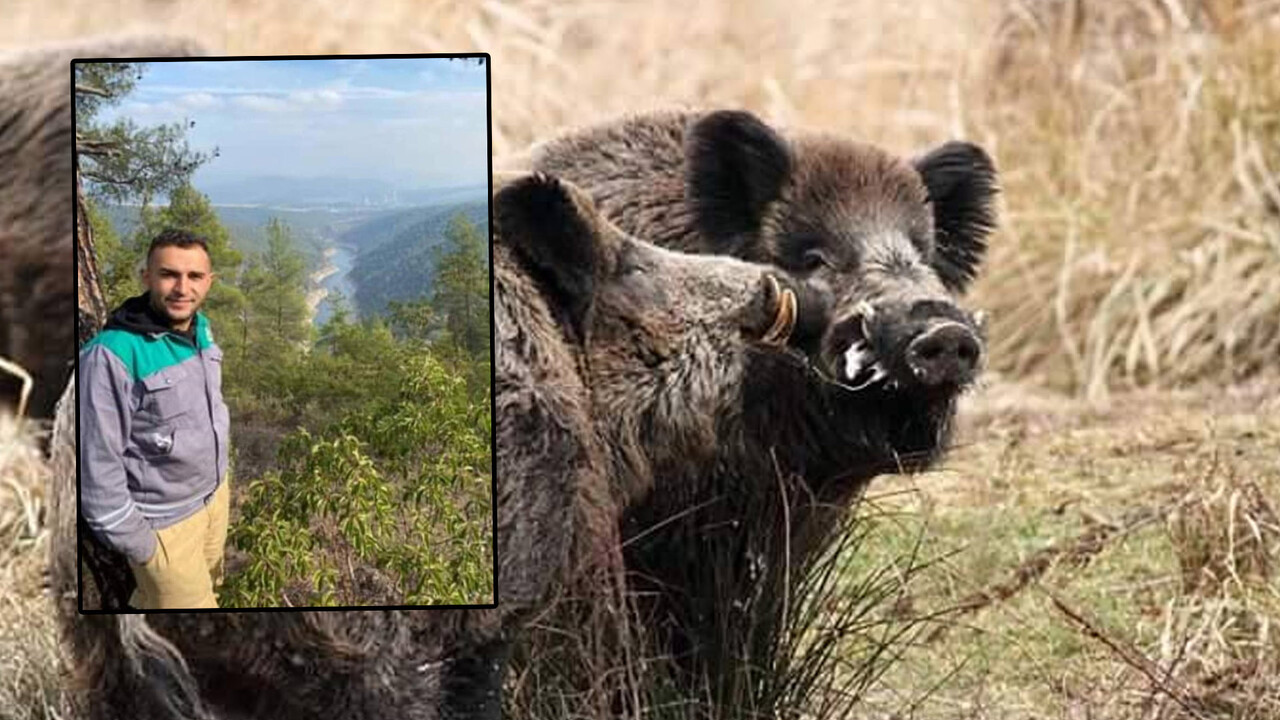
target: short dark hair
172 237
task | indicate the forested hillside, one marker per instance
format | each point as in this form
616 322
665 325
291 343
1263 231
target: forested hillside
400 266
371 232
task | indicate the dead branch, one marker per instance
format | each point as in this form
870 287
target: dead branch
91 90
1077 551
1133 658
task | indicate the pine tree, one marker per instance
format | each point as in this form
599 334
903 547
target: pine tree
121 161
274 323
461 287
119 261
411 319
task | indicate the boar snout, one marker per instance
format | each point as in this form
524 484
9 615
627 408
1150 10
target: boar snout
945 354
929 344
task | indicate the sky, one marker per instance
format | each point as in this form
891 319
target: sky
410 122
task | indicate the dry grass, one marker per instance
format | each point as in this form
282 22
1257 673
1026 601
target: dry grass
1143 187
1097 561
30 686
1137 139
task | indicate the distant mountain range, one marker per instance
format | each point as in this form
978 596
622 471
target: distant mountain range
334 193
247 225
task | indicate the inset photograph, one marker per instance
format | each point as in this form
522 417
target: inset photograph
286 400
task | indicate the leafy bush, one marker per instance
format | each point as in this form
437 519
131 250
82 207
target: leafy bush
389 504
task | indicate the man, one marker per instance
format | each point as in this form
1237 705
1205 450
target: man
154 431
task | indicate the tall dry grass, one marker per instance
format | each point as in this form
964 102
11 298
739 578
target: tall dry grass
841 626
31 687
1139 141
1223 640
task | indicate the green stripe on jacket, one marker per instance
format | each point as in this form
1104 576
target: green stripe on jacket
151 353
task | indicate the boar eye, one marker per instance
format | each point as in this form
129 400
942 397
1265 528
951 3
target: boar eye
813 259
629 266
629 263
923 243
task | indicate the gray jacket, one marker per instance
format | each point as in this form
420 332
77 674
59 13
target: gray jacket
153 427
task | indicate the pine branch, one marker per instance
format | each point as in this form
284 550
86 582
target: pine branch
108 180
92 90
97 148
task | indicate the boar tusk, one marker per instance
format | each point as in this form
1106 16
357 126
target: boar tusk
19 372
853 358
785 321
865 312
878 375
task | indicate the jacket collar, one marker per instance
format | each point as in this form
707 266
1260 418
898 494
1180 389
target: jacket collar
136 315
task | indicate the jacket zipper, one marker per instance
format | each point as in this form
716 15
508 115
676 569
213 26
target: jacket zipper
208 396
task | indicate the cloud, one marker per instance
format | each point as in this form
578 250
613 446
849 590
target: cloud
376 120
372 92
261 103
154 110
200 100
407 122
339 87
136 107
327 99
455 100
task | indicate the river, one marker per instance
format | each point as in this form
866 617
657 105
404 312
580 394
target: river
334 276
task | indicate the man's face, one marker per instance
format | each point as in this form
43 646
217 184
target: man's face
177 280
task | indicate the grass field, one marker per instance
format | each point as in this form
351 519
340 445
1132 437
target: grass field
1104 542
1095 562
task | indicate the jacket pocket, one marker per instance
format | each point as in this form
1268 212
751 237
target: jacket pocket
163 400
157 443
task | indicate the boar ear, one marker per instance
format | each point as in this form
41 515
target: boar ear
551 230
961 180
737 167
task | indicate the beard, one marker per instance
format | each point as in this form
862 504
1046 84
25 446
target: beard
175 310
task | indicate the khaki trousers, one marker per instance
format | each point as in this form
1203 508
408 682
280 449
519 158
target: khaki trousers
188 562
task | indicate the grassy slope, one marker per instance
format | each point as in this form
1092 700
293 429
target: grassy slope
1152 521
